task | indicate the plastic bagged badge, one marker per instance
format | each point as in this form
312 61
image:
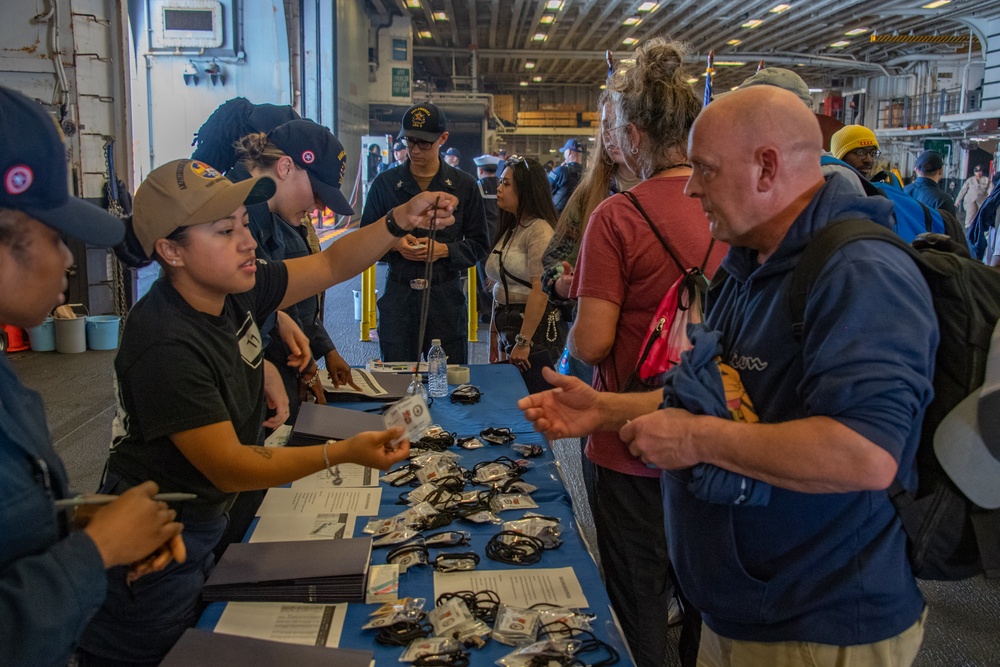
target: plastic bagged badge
562 622
419 494
383 583
399 476
435 470
527 451
484 517
557 651
545 529
448 538
420 648
470 443
383 526
412 414
395 537
491 472
512 501
433 458
411 607
520 486
516 626
449 618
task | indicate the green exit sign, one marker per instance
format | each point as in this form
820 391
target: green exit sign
400 82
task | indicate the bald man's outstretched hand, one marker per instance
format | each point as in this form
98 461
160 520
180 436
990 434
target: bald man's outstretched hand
570 410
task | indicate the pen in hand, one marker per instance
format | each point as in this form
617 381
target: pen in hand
104 499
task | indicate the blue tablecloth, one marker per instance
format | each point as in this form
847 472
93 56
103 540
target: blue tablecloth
501 387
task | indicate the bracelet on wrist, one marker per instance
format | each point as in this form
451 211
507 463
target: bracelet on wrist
394 229
310 381
326 457
521 341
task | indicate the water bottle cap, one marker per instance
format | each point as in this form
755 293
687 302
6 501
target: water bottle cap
436 341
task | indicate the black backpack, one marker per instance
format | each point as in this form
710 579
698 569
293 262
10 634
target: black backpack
950 537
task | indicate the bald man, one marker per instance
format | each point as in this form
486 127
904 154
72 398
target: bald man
821 565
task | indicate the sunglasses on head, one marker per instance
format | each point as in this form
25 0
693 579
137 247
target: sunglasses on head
517 159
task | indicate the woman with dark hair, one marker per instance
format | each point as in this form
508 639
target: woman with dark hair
622 274
189 381
526 330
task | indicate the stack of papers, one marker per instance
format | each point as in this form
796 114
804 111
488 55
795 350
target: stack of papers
325 571
374 386
316 424
198 647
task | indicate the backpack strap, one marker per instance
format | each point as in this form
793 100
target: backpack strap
680 266
822 247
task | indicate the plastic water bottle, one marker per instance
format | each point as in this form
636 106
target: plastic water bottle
417 387
437 370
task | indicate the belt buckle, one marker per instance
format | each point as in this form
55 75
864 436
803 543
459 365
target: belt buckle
418 283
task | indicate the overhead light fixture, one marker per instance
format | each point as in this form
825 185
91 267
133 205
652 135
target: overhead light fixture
815 90
729 63
734 42
840 44
693 80
648 7
554 5
734 88
536 79
856 32
629 41
440 16
547 19
936 4
602 87
540 37
523 84
632 20
777 9
529 65
424 34
752 23
413 4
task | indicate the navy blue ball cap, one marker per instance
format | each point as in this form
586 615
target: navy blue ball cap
425 122
398 146
572 145
453 151
319 152
35 181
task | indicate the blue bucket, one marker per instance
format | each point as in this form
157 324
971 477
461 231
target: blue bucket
102 332
43 337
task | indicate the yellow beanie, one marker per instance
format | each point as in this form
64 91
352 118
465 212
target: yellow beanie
849 137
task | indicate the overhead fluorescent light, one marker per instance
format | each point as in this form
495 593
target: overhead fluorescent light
630 41
777 9
424 34
648 7
936 4
729 63
856 32
554 5
840 44
440 16
547 19
693 80
536 79
523 84
602 87
815 90
752 23
632 20
413 4
529 65
540 37
734 42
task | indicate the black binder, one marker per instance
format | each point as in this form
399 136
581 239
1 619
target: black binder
315 424
200 647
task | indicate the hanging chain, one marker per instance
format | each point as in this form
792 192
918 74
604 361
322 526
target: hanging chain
118 272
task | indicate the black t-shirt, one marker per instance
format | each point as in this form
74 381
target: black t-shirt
178 369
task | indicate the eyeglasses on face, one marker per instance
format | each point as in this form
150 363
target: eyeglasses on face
862 153
411 142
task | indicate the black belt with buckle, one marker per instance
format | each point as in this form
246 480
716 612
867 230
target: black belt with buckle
420 283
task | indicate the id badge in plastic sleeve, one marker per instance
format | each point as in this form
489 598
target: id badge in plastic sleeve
410 412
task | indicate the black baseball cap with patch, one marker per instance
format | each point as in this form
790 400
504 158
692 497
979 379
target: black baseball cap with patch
319 152
34 175
424 121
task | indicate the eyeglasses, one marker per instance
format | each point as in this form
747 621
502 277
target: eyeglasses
862 153
411 142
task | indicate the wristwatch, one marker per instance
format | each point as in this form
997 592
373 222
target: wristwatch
394 229
521 341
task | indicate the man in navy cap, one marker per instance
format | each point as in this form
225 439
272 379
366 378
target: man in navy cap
398 155
924 188
486 170
456 248
452 157
566 176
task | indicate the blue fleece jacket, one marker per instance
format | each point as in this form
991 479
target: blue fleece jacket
828 568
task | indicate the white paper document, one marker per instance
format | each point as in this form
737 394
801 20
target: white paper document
285 528
369 385
345 475
315 624
359 502
518 588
